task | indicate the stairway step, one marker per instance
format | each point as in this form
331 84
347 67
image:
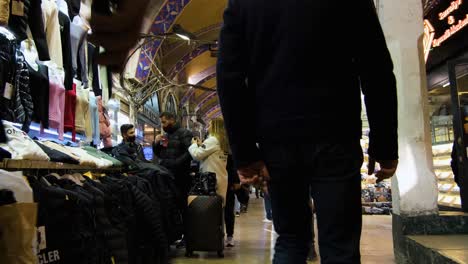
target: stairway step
439 249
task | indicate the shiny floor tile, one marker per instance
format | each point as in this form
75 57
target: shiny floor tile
254 240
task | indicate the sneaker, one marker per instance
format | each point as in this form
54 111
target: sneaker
266 220
180 244
230 242
237 214
243 209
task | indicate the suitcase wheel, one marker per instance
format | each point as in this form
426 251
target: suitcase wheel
220 254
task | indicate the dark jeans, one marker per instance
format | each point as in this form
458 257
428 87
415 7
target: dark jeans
229 217
267 203
333 179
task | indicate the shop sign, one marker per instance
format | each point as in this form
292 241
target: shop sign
445 31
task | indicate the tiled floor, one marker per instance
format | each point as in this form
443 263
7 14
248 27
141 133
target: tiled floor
453 246
254 240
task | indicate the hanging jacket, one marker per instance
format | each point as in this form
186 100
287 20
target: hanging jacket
32 17
7 75
65 37
167 194
59 243
87 225
40 94
104 124
116 230
126 202
153 242
24 106
70 114
52 27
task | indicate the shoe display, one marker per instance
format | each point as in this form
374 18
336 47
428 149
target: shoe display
230 242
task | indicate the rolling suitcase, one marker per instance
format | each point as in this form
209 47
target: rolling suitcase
204 225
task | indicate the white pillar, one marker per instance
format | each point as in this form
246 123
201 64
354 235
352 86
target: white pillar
415 186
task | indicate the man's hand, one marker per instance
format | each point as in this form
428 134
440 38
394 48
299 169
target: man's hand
255 173
387 168
119 32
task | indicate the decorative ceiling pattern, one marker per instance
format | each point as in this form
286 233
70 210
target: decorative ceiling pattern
186 59
203 76
181 61
163 22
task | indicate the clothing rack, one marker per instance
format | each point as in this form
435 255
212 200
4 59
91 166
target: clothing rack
9 164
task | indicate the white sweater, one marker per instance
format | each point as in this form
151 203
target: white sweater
212 159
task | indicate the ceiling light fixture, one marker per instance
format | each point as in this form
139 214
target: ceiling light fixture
445 85
184 37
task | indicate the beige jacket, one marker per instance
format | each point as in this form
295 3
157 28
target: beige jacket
212 159
4 12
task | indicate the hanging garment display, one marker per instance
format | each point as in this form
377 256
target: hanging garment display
70 108
40 94
78 32
29 13
83 122
7 77
23 101
56 102
66 50
104 125
52 26
94 113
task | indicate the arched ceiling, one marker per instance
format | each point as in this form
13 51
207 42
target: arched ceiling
185 62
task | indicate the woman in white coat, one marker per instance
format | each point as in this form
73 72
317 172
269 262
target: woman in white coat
212 154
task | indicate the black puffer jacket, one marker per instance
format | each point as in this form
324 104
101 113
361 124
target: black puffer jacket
175 156
147 243
167 195
116 230
130 154
7 75
24 103
62 217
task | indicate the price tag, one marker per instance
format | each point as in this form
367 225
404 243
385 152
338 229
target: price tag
8 91
17 8
41 238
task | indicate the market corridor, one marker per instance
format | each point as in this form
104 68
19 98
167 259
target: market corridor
254 240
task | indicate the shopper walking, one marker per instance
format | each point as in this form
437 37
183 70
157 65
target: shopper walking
265 49
229 210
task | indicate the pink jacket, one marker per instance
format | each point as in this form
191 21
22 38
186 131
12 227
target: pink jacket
104 124
56 107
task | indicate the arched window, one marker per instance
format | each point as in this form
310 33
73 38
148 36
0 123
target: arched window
171 104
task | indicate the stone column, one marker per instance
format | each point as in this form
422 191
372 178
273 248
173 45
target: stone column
414 186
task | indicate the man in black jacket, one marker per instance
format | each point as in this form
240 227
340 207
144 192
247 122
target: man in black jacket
171 151
129 148
308 118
